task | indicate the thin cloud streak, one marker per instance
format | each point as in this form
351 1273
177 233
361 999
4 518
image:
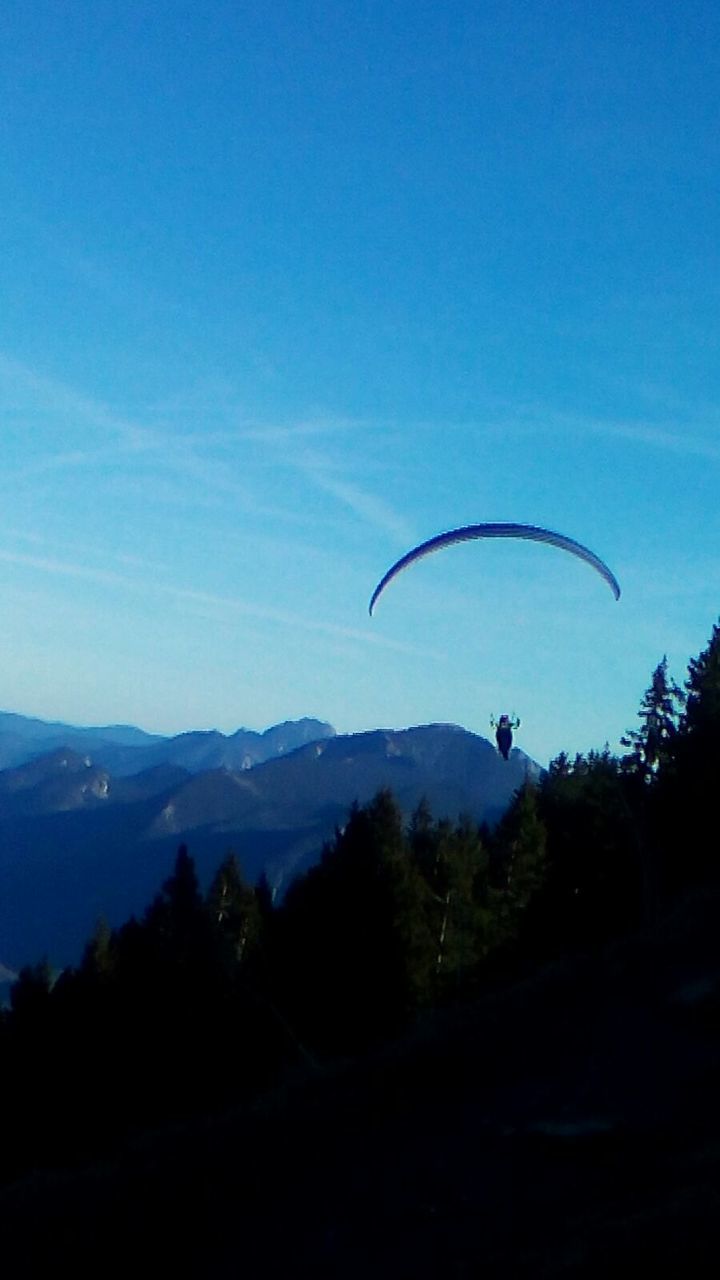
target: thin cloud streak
133 441
109 578
365 505
686 443
659 438
71 460
322 428
125 558
293 620
57 396
176 453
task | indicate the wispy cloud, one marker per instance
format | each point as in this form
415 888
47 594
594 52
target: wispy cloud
65 569
657 437
336 477
313 428
297 446
366 506
217 480
232 606
304 446
36 539
50 394
69 460
287 619
694 440
126 441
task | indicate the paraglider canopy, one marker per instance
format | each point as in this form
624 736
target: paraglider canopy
470 532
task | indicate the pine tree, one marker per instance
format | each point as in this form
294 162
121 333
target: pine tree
660 711
520 849
687 830
179 980
702 713
265 896
177 921
234 908
356 952
595 866
179 901
422 835
453 863
30 994
99 957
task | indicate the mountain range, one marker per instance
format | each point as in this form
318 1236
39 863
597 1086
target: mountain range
80 841
123 749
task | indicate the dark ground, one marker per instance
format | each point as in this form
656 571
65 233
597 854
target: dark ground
566 1126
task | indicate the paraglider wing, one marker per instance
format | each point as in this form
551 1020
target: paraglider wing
469 532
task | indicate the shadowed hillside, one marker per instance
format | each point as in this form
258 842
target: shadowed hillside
564 1126
77 843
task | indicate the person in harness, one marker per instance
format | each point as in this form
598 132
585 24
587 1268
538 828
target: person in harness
504 733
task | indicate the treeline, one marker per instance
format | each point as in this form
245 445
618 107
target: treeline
210 998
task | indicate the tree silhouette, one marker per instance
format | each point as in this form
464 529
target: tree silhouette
234 909
660 711
356 951
686 828
593 881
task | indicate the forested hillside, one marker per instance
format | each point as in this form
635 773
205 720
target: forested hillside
566 931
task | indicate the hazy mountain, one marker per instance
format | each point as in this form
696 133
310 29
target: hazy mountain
29 729
22 738
63 780
456 771
52 783
197 751
124 749
77 842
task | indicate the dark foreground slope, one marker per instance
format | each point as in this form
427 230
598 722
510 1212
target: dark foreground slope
566 1125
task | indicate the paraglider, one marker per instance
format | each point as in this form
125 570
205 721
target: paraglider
504 733
470 532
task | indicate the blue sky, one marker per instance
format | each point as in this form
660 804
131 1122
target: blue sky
287 287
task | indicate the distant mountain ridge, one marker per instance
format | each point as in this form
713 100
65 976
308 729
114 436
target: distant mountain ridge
125 749
78 841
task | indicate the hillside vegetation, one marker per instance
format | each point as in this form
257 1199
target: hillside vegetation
448 1047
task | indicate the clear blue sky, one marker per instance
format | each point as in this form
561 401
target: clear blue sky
285 287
